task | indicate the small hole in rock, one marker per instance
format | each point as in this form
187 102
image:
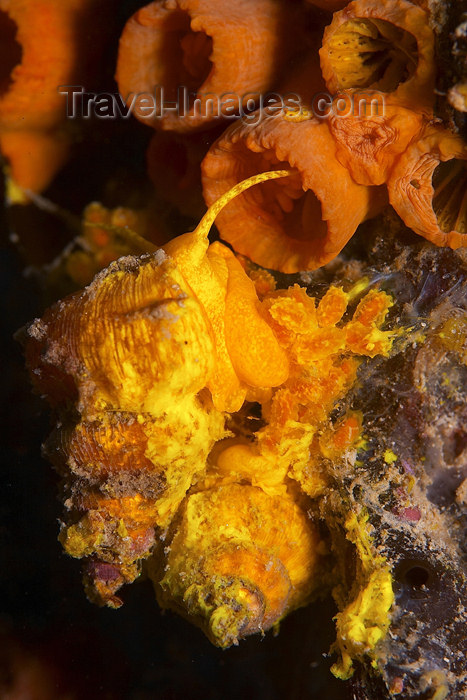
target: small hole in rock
415 576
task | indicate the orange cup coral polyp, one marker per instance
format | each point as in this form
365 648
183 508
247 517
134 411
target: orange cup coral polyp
428 188
40 52
217 50
386 45
296 223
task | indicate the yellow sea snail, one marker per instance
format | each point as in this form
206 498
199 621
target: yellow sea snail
144 356
148 370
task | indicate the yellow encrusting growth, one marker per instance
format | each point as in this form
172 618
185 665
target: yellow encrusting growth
390 457
365 620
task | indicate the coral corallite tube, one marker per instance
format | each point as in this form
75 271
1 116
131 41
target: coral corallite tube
217 51
296 223
428 187
41 46
387 46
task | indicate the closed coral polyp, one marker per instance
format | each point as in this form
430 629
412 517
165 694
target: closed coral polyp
373 135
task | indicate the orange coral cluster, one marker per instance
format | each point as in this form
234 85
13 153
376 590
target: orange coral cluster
377 64
152 370
378 59
372 54
107 235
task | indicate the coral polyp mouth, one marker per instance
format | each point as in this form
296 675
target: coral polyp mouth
284 202
188 56
197 48
297 210
10 51
450 195
312 226
372 53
